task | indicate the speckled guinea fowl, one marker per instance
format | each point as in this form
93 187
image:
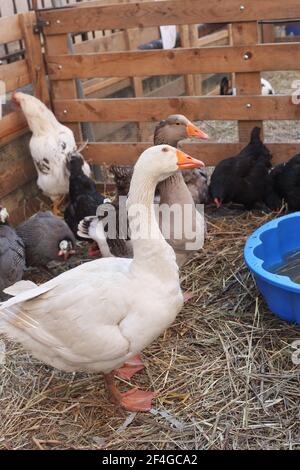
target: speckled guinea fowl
46 238
12 254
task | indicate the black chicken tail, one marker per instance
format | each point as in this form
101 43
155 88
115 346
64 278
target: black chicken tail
255 136
122 176
259 149
224 87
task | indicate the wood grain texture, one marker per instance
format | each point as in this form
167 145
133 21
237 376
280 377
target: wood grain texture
211 153
65 89
176 61
166 12
10 29
16 175
34 57
196 108
10 124
15 75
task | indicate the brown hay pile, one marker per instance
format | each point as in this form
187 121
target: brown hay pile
223 373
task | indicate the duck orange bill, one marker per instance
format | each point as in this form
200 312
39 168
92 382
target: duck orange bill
194 131
185 161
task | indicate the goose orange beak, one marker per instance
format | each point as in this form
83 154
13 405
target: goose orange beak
185 161
194 131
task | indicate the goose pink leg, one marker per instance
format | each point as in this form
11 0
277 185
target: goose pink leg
130 368
133 400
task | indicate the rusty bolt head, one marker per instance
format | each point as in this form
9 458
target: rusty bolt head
65 111
248 105
242 8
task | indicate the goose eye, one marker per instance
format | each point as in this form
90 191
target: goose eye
63 145
177 123
165 149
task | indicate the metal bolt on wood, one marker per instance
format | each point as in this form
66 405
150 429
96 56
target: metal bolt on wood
242 8
246 56
248 105
59 67
65 111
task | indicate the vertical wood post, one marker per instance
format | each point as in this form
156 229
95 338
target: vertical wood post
185 40
34 56
63 89
246 34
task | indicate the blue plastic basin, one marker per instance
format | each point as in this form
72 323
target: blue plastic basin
267 247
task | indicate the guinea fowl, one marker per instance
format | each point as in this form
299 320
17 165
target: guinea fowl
46 238
172 191
286 182
50 145
244 178
83 194
12 253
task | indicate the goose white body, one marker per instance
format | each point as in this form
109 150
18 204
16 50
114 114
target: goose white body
99 314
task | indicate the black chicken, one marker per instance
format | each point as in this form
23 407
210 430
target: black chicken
84 197
286 182
244 178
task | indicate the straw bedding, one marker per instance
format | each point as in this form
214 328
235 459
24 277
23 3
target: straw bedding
223 372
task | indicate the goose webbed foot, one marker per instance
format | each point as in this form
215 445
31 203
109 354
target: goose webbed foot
133 400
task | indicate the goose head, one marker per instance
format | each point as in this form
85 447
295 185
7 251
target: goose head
161 161
175 128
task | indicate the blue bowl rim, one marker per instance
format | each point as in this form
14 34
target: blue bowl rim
255 264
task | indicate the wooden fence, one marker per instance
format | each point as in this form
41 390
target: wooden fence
246 57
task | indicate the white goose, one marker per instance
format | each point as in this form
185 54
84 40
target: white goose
101 314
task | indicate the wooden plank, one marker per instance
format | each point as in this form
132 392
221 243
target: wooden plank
166 12
16 175
246 83
62 89
105 87
15 75
196 108
34 57
10 29
211 153
10 124
117 41
224 59
213 38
